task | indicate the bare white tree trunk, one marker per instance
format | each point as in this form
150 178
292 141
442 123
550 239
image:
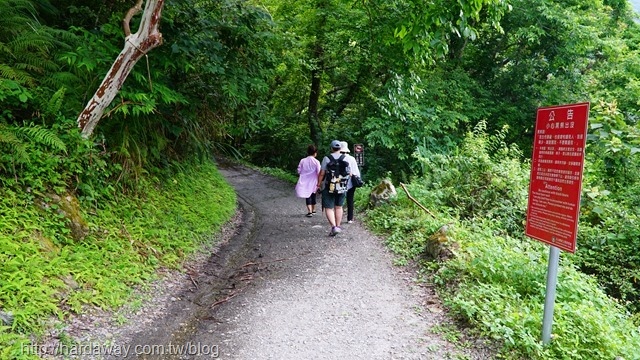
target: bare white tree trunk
136 45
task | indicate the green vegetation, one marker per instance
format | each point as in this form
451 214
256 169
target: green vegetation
46 272
62 249
496 281
443 97
280 174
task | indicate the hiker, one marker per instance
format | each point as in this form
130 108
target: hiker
308 169
334 173
351 189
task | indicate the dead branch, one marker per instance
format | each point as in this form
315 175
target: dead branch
416 201
130 14
246 278
272 261
136 45
233 294
262 263
194 282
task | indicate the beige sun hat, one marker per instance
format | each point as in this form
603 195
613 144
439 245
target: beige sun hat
344 147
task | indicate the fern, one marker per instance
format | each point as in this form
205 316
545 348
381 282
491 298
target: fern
59 79
55 103
21 77
9 137
25 44
44 136
5 49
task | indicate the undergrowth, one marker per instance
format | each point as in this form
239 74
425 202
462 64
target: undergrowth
496 281
500 289
44 272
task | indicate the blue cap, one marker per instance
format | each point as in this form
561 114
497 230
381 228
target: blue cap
335 145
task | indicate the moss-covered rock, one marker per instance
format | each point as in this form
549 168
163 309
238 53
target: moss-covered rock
69 207
46 245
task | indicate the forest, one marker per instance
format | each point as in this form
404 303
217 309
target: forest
442 94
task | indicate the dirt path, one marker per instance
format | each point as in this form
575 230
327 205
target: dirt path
280 288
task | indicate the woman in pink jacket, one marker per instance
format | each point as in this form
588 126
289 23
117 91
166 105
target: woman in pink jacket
308 169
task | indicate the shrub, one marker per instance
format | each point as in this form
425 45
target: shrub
501 291
496 283
483 178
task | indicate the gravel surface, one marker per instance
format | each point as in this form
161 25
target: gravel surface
280 288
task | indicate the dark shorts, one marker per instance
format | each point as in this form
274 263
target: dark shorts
311 200
329 201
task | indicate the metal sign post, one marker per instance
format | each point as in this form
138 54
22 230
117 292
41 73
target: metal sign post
550 297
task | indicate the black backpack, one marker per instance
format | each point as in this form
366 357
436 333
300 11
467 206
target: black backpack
337 175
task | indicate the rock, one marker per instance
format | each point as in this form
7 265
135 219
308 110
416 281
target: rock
6 318
46 245
439 246
70 282
69 207
382 193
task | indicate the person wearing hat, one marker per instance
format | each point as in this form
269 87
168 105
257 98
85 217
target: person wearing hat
351 190
331 202
307 185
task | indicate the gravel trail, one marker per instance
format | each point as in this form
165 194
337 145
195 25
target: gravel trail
281 288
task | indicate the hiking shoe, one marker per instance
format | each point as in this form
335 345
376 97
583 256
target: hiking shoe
309 215
334 230
350 222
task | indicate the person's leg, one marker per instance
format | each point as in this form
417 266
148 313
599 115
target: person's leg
350 196
339 202
328 203
338 215
331 216
313 203
307 201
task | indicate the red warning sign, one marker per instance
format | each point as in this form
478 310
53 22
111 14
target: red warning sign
556 175
358 150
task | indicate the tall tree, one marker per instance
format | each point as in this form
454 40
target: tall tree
317 69
136 45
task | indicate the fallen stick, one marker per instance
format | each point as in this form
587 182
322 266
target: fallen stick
194 282
264 262
272 261
233 294
416 201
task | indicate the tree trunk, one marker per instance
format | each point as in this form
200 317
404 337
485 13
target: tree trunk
314 97
136 45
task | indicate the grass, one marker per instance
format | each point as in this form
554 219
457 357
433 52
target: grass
44 272
280 174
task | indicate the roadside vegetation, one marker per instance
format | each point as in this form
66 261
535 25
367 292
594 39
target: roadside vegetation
63 249
491 277
60 253
442 97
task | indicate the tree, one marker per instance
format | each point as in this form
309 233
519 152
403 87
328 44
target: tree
428 30
136 45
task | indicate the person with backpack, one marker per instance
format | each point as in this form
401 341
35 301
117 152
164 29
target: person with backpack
307 185
351 189
333 179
